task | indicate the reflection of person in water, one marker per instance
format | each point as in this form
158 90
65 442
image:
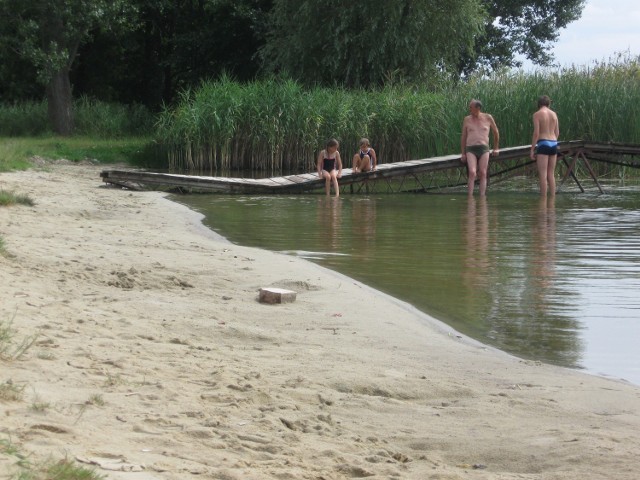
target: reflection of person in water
364 224
544 250
476 236
329 220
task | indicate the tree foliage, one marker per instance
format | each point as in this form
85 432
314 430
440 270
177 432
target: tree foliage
520 27
175 46
148 51
360 43
47 35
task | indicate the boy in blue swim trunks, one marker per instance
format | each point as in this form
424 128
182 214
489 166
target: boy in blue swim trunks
544 144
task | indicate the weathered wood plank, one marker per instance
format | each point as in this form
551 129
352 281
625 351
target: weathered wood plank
384 172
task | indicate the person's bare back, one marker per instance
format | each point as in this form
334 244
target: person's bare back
544 144
545 121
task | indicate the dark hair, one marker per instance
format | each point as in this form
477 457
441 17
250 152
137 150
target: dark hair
476 103
332 142
544 101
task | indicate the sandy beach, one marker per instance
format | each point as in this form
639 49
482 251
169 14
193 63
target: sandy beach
152 358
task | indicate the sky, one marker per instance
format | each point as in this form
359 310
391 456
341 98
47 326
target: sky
605 28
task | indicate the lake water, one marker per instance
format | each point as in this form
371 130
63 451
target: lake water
555 280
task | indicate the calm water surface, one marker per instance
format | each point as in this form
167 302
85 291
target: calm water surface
552 280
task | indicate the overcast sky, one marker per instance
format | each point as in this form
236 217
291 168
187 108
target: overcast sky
605 28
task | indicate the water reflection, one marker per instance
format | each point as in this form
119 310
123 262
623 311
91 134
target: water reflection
475 273
329 215
544 255
363 224
550 279
533 297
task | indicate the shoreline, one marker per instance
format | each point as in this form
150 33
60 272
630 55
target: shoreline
157 361
430 320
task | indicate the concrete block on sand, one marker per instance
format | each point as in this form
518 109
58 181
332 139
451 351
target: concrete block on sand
277 295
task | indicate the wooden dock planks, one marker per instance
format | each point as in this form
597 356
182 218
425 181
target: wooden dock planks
137 179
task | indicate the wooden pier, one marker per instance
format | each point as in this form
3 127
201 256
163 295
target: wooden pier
425 175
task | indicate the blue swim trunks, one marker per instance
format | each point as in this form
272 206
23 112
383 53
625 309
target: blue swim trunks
547 147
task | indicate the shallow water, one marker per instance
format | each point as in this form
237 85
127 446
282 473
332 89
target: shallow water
551 280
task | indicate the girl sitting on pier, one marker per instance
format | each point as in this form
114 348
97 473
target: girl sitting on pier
329 166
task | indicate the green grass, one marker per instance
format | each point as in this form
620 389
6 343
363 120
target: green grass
11 198
92 118
16 153
67 470
25 469
10 351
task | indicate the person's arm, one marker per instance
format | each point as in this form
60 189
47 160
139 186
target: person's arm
339 163
535 138
496 136
557 130
319 163
463 141
374 159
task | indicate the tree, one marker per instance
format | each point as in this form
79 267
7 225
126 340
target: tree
174 46
48 35
361 43
525 27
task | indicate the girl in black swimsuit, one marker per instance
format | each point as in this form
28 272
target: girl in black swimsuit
327 163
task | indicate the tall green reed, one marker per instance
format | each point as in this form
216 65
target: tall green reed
277 125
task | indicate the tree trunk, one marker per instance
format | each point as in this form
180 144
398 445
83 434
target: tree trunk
60 103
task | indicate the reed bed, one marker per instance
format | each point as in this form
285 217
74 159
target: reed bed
277 125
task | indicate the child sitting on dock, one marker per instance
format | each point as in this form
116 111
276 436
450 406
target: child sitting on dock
329 166
365 160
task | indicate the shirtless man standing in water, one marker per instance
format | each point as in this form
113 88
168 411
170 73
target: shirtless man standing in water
544 145
475 145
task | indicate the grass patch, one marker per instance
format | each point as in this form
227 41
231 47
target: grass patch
95 399
40 407
61 470
10 351
9 449
16 153
67 470
11 198
10 392
92 117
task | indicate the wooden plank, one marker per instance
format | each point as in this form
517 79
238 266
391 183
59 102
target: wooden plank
300 178
384 172
281 180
